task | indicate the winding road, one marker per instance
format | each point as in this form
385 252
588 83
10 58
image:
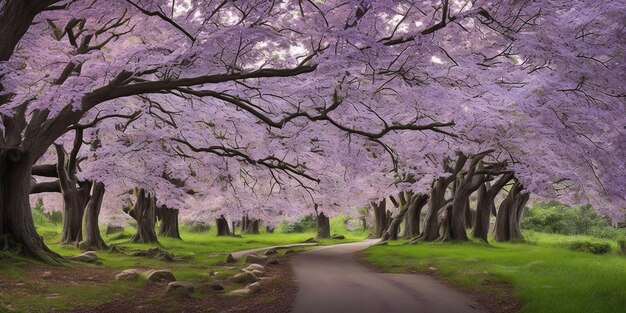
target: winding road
330 280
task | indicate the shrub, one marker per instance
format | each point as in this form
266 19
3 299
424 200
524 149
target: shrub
561 219
606 232
199 226
589 246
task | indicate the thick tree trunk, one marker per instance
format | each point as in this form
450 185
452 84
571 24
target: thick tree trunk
17 228
143 211
486 196
91 229
511 209
469 216
168 222
412 219
380 219
74 203
323 226
436 203
222 226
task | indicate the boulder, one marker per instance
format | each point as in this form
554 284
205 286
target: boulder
112 229
338 236
230 259
86 257
177 288
249 290
159 276
256 273
243 278
253 258
155 253
254 266
129 274
270 252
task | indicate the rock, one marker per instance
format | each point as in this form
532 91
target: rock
155 253
244 277
253 258
250 289
112 229
177 288
159 276
46 275
338 236
270 252
311 240
215 287
433 269
288 252
129 274
257 267
86 257
165 256
230 259
256 273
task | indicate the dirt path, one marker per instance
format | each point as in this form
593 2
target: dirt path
330 279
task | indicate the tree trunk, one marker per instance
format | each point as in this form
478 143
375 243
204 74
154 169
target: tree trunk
143 211
412 219
515 233
91 230
169 222
380 219
17 228
486 196
222 226
509 214
469 216
74 203
437 201
250 226
323 226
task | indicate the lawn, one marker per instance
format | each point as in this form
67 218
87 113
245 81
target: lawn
546 277
198 254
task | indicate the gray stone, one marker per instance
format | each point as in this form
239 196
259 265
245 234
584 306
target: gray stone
253 258
244 277
249 290
177 288
129 274
255 266
86 257
338 236
159 276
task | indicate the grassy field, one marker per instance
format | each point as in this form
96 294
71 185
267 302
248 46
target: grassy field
545 275
199 254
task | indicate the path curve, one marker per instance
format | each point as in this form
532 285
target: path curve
330 279
242 253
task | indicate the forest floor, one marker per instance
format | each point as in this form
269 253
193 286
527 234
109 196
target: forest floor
541 274
30 286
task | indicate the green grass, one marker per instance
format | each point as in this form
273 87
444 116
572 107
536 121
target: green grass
200 253
546 276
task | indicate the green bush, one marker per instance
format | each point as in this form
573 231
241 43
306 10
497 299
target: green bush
589 246
42 218
307 224
557 218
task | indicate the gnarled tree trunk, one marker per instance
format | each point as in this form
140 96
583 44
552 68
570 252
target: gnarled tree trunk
509 214
143 211
222 226
436 203
381 219
17 229
412 219
91 230
168 222
323 226
486 196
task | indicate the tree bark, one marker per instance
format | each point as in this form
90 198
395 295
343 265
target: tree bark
510 212
380 219
143 211
486 196
323 226
17 227
412 220
168 222
250 226
222 226
91 229
436 203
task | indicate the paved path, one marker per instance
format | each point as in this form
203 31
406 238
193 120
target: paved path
242 253
331 280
